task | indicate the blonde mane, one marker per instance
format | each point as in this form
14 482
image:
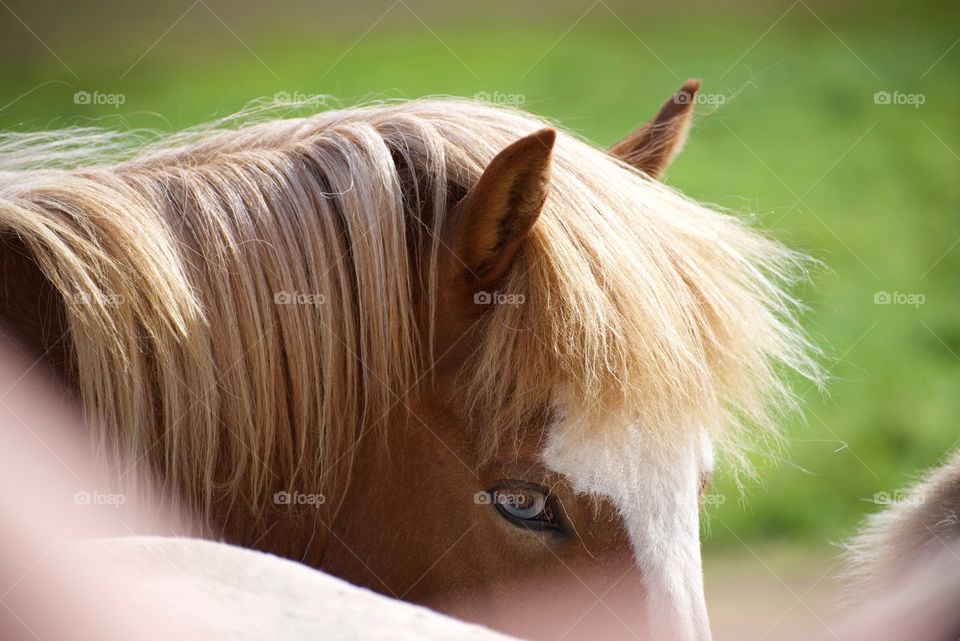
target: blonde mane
173 264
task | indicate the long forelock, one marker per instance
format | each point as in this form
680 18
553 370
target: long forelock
640 302
173 264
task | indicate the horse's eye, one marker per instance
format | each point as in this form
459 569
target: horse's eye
526 505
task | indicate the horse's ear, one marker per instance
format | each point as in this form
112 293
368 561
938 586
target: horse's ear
488 226
651 147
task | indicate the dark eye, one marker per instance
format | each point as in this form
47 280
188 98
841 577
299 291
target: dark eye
526 505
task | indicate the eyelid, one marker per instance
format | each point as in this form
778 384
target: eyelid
523 485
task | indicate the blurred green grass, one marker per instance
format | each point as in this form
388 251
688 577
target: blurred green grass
798 144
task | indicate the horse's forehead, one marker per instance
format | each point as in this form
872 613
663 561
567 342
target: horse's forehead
655 488
617 461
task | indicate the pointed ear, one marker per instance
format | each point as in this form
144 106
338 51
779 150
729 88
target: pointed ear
651 147
489 225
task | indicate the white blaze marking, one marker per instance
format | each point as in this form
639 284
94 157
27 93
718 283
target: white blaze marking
656 492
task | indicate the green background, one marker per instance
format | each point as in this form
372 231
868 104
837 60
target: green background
798 144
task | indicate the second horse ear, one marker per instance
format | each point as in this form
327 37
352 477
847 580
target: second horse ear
651 147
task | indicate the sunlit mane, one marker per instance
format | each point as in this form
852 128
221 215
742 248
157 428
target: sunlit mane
243 303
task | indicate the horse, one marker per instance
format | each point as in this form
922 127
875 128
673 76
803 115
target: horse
423 346
902 569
